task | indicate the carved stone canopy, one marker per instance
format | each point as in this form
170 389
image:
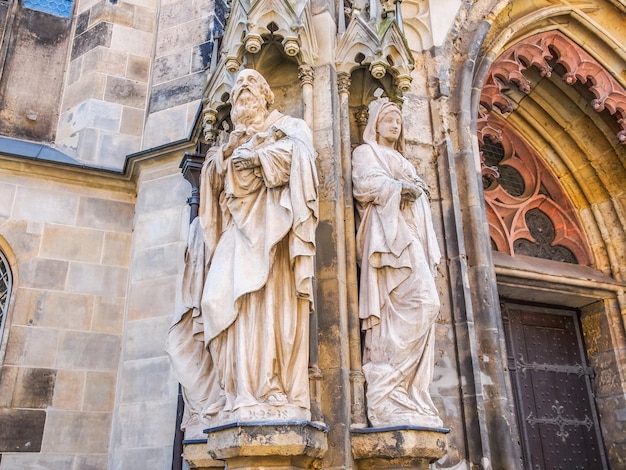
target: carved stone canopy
254 31
251 24
384 51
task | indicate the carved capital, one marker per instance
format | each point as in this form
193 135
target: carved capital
306 74
361 115
343 82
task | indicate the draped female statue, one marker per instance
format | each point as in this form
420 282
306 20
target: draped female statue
398 252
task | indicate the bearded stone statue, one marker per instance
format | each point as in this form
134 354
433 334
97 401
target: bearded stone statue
398 252
239 346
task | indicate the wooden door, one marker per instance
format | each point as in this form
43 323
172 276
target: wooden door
554 397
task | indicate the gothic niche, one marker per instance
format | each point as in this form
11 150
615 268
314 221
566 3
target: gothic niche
528 212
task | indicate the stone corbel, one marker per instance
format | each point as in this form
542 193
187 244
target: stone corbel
398 447
378 68
295 445
403 82
209 119
233 64
253 43
291 46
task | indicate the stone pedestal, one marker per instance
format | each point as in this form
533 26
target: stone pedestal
197 456
267 445
398 447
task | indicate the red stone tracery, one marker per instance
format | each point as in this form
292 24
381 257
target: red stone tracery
507 212
536 51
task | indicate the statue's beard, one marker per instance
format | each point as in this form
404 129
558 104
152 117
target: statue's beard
248 109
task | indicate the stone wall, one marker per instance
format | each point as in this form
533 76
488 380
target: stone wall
184 49
71 243
144 420
34 45
106 89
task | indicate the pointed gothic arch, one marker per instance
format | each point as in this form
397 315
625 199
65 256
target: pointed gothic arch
568 104
549 75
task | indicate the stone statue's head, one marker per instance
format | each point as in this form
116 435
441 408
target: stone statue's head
254 82
378 109
251 98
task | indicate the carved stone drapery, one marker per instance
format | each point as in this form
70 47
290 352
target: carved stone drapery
274 164
579 66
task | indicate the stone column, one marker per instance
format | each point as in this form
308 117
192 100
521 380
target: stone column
306 81
357 380
306 75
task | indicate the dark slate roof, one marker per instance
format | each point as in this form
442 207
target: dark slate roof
40 152
23 148
45 153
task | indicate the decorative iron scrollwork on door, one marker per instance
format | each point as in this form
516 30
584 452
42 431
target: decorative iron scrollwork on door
560 421
575 368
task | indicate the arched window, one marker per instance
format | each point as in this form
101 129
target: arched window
5 291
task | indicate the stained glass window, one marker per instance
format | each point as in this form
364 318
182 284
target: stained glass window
61 8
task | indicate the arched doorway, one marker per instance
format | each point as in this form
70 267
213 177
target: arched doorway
550 131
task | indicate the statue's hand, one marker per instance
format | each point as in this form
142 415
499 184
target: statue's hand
410 192
244 160
236 138
423 186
